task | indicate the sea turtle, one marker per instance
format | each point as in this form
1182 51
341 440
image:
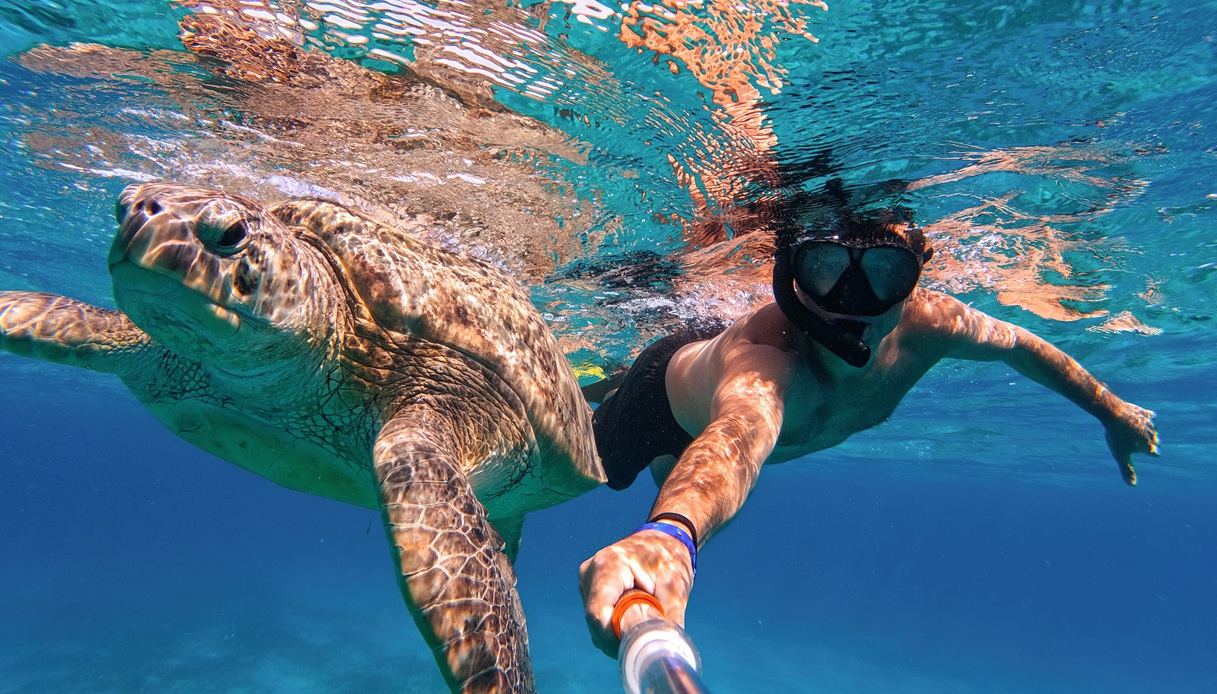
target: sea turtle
340 357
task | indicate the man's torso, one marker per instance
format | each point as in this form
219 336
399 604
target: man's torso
823 404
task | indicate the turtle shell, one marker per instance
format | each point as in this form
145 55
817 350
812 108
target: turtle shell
414 288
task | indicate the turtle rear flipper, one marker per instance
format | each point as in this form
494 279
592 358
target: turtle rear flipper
59 329
454 574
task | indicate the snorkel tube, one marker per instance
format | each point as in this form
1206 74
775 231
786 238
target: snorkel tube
657 657
852 351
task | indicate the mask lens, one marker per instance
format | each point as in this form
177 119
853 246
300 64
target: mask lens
819 266
892 272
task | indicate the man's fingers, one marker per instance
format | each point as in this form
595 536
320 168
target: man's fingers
601 639
1127 471
1122 445
601 601
603 582
601 632
655 563
593 605
585 578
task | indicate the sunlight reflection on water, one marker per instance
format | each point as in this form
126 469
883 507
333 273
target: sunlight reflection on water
628 163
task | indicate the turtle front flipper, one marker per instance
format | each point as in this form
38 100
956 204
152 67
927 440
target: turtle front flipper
59 329
453 572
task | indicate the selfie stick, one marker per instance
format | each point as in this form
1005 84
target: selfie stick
657 657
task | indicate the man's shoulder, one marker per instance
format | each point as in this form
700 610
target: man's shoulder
929 310
753 344
765 326
941 323
761 340
931 322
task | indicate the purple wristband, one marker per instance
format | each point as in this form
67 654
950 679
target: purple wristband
677 533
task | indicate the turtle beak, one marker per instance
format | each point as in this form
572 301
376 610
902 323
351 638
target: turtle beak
155 234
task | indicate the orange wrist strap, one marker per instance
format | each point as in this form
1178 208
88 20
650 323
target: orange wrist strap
632 597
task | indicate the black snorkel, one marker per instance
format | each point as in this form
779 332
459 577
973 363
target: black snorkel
852 351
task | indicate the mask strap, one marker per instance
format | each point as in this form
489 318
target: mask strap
853 352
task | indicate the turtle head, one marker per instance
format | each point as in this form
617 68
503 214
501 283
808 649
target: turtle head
217 279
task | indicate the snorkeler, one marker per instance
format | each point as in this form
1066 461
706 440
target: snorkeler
848 335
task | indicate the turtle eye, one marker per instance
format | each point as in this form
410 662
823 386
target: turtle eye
233 235
224 237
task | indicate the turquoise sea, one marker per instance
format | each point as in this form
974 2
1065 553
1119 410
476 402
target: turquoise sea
1061 155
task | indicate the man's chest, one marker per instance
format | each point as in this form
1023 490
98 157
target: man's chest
821 412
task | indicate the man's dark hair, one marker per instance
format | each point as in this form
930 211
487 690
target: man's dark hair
849 215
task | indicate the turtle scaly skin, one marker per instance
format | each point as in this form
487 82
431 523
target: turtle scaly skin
339 357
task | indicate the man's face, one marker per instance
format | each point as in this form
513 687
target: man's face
858 285
845 284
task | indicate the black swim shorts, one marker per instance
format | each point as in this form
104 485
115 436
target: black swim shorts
635 424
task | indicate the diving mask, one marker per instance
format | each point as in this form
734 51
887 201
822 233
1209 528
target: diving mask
854 278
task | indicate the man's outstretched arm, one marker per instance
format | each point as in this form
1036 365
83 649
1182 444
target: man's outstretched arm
971 334
708 486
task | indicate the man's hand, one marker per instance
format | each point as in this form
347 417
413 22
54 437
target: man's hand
649 560
1131 430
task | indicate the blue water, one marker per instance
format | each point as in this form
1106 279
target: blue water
979 541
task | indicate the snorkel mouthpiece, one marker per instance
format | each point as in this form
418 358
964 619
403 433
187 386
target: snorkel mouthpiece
852 351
